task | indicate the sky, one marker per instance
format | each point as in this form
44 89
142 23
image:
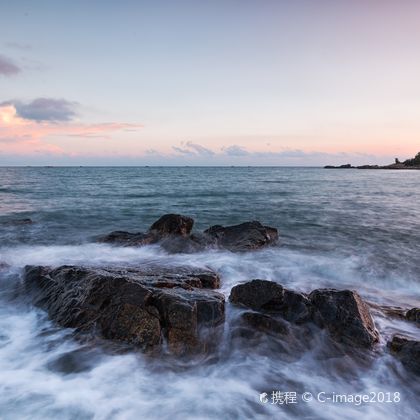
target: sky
209 82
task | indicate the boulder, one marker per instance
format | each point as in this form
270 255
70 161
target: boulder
139 306
407 351
345 315
169 225
243 237
413 315
172 224
270 297
173 233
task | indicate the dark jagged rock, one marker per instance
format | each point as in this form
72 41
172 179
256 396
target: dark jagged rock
407 351
345 315
173 233
413 315
243 237
169 225
257 294
172 224
138 306
270 297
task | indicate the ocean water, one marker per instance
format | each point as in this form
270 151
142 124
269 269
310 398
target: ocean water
338 228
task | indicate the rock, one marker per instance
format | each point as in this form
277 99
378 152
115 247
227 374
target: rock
173 233
138 306
407 351
345 315
265 323
127 238
257 294
270 297
413 315
172 224
243 237
168 227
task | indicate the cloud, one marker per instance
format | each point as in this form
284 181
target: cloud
45 109
193 149
8 67
200 150
182 151
235 151
22 136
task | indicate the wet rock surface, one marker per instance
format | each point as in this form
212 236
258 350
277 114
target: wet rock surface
243 237
144 307
407 350
345 315
173 233
342 312
173 224
413 315
270 297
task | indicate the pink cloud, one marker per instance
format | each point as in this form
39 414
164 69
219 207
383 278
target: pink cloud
24 136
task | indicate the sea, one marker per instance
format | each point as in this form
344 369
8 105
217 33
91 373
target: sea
345 229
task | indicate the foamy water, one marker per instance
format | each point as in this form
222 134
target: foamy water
326 242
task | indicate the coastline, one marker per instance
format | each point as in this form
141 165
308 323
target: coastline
413 163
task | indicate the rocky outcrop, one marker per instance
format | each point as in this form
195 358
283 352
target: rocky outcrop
342 312
345 315
413 315
407 351
272 298
413 163
139 306
173 233
172 224
169 225
243 237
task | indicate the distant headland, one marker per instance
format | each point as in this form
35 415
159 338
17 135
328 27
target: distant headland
413 163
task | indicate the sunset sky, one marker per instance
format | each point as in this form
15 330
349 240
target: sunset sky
217 82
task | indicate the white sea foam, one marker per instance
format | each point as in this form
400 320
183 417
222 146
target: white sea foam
130 386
